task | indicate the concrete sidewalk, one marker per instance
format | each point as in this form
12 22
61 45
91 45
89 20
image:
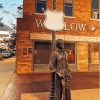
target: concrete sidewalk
84 94
5 78
7 67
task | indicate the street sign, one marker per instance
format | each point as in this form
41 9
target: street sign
54 20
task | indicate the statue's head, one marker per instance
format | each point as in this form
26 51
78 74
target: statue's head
60 44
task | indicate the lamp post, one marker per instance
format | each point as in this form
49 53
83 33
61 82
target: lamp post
52 94
54 21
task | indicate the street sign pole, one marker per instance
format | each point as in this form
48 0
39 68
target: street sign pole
52 94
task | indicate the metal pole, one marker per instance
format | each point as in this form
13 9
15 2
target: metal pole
52 95
54 4
53 40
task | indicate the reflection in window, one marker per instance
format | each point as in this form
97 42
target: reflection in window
94 53
42 52
68 7
70 48
40 6
95 9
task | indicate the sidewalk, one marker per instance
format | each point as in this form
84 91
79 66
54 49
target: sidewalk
5 78
30 86
7 67
84 94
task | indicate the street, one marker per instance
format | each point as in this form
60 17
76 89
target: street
7 67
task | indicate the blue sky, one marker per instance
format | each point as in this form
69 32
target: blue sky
9 12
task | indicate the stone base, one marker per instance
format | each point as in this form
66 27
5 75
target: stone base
84 94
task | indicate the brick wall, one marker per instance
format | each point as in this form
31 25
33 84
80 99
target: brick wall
28 7
24 62
82 56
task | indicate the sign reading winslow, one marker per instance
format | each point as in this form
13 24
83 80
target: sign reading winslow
68 26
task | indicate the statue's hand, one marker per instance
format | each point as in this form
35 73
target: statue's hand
63 83
53 70
69 76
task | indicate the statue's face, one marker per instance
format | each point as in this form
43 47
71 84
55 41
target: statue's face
60 45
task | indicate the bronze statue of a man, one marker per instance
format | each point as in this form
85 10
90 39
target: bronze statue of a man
59 64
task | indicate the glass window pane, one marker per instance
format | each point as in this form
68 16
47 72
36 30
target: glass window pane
68 9
42 52
70 48
40 6
95 9
95 5
94 56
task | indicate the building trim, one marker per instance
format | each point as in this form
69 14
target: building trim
48 36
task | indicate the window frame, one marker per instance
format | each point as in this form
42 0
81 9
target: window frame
92 9
36 1
67 6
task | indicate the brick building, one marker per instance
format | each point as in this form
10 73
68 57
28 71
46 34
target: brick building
80 35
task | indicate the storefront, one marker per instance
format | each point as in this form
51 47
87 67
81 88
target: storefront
80 35
42 51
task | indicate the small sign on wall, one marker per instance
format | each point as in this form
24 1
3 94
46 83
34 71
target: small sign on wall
27 51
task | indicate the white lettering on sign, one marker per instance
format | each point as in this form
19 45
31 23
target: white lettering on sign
39 23
74 26
67 26
82 27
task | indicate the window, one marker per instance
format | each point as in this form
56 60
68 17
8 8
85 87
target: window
70 48
94 56
68 7
42 51
94 53
95 9
40 6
